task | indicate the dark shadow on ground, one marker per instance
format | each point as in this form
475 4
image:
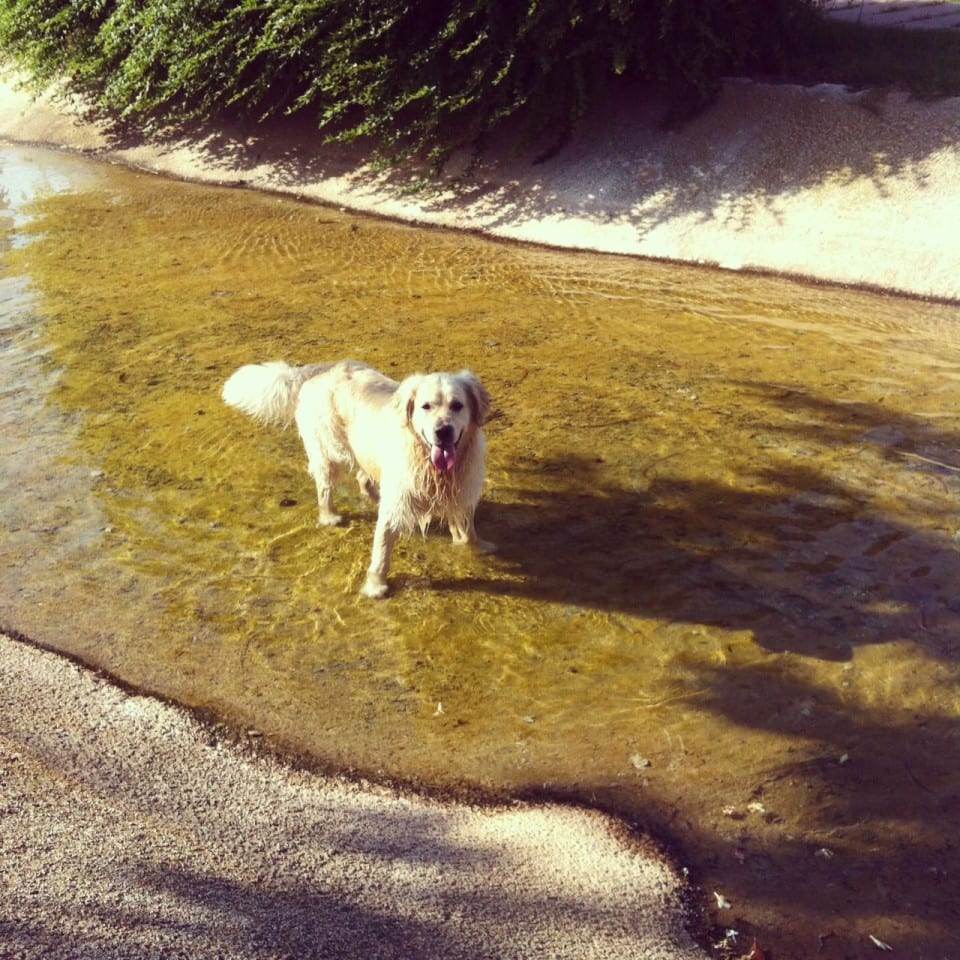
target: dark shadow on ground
816 569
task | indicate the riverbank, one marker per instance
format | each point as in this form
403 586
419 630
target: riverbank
129 829
858 188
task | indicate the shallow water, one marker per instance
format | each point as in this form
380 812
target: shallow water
725 598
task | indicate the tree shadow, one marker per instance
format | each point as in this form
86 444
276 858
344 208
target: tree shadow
819 853
811 563
734 162
174 910
807 562
755 147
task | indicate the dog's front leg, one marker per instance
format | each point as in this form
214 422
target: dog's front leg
384 538
464 533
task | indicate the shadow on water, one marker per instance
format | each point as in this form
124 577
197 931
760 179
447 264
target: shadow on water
813 570
808 565
852 843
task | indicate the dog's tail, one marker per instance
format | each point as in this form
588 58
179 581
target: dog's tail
268 391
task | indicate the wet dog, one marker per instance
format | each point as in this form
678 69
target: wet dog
417 446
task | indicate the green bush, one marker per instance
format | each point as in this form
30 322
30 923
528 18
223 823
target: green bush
411 76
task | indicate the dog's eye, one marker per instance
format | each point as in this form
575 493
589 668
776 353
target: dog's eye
426 406
456 406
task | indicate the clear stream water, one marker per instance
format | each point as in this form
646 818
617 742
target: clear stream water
725 603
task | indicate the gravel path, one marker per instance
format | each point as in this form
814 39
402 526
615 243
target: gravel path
128 830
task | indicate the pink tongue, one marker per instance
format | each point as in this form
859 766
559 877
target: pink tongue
443 457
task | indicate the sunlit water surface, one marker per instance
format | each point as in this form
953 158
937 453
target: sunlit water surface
725 599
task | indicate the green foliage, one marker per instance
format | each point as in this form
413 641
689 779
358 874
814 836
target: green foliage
426 76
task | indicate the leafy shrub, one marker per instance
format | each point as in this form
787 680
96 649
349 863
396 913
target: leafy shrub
412 76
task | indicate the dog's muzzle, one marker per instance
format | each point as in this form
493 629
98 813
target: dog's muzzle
443 448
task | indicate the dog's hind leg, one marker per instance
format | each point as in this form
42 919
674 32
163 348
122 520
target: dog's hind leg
323 467
324 472
367 487
325 476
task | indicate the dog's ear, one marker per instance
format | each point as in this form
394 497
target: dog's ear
477 396
402 400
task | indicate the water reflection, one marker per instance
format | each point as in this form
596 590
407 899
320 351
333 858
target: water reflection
726 509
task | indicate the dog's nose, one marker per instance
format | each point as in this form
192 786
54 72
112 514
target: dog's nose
444 434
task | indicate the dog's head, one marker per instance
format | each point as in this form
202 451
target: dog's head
442 410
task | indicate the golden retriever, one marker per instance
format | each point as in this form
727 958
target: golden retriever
417 446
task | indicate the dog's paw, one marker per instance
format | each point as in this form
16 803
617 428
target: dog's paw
329 520
477 545
375 587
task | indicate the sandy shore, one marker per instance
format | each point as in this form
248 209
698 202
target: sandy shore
128 830
858 188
